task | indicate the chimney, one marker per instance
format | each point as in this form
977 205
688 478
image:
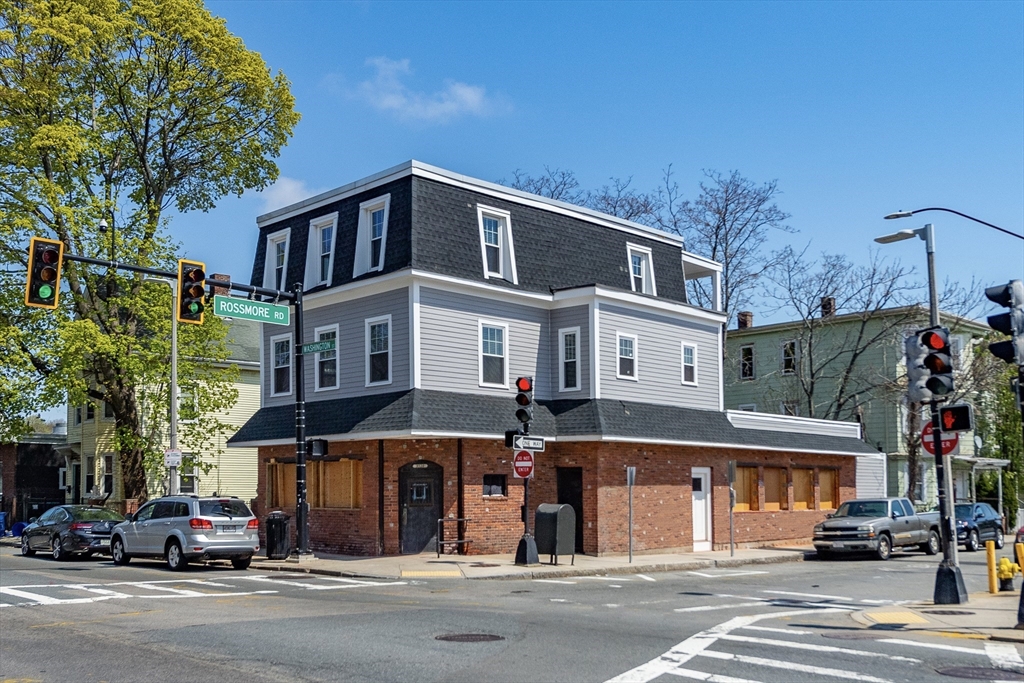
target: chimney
828 306
220 291
744 319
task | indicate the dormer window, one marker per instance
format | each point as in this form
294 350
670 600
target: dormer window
496 248
641 270
372 235
320 252
275 271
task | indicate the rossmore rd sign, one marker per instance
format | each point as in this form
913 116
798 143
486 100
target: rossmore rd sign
260 311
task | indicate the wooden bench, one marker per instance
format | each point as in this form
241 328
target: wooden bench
455 543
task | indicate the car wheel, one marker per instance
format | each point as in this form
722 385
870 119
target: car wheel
972 543
242 563
176 560
117 552
26 549
884 551
1000 542
934 544
58 550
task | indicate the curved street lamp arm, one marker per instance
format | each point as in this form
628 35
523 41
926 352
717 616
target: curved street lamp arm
972 218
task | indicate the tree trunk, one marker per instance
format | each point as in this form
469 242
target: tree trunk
913 447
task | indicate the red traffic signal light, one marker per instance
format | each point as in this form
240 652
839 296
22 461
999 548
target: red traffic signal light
939 360
524 384
43 285
524 399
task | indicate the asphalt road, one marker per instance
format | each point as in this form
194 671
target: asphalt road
87 620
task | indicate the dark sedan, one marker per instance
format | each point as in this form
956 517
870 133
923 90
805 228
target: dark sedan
68 530
977 523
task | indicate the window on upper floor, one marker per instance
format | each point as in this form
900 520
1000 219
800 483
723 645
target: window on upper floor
90 411
496 246
281 363
188 407
372 235
689 374
78 415
789 358
641 269
747 407
108 474
378 350
320 250
108 411
493 354
326 361
747 362
568 344
627 353
791 408
275 270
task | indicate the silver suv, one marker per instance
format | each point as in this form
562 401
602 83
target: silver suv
181 529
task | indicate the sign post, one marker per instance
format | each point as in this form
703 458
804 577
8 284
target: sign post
630 481
732 504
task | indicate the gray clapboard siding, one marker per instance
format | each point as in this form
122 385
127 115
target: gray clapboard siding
450 342
659 358
350 316
562 318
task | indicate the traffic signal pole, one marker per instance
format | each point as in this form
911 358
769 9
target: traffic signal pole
949 581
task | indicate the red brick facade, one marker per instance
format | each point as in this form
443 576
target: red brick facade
662 503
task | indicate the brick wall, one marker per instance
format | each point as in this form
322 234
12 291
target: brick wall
8 465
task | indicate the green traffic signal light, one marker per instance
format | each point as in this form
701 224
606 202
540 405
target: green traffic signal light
43 284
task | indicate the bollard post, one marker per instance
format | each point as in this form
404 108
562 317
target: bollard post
990 557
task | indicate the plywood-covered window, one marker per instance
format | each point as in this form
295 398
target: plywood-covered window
828 491
335 484
776 490
803 489
280 484
746 489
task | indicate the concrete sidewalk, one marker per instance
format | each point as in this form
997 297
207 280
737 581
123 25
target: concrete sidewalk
990 616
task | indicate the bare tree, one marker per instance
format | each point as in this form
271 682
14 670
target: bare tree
557 184
617 199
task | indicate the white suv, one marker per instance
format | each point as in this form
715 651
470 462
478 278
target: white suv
180 529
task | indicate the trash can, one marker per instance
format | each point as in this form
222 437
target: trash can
554 529
278 536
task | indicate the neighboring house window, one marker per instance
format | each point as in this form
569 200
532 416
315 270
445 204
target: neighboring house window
747 407
568 343
791 408
187 478
320 250
281 358
90 473
78 415
372 235
626 368
326 361
788 357
62 478
746 489
335 484
803 489
90 412
281 484
828 491
493 354
776 490
496 243
641 270
689 364
108 474
108 411
955 347
922 483
275 271
747 362
378 350
188 407
495 485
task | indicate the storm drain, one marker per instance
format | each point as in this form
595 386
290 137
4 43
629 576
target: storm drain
469 637
948 612
977 673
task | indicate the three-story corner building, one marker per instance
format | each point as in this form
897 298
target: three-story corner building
439 290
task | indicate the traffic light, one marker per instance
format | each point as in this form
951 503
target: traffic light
524 399
1011 323
191 289
958 418
43 285
917 373
939 361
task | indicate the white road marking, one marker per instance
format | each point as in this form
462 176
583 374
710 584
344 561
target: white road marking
615 585
811 595
815 647
603 578
711 678
612 605
933 646
770 629
553 581
559 600
99 591
711 608
645 577
308 585
726 574
794 666
1004 656
40 599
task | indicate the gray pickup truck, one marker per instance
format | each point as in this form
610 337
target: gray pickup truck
877 525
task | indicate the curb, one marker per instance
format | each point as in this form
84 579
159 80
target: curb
861 618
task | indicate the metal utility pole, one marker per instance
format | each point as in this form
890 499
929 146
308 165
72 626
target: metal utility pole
301 506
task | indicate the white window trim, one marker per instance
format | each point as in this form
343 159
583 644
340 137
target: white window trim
291 361
507 257
313 250
191 397
481 324
649 262
636 357
316 359
361 262
193 472
62 478
561 359
751 407
391 348
753 364
268 263
682 364
782 356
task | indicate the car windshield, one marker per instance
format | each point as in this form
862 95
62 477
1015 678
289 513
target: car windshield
95 515
862 508
226 507
964 511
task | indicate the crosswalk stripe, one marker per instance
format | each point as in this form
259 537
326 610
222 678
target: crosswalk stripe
1004 656
815 647
709 608
41 599
934 646
793 666
711 678
810 595
771 629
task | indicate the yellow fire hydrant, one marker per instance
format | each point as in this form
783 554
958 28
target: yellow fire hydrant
1006 571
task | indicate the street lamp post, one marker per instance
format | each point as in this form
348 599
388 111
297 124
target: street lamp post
173 431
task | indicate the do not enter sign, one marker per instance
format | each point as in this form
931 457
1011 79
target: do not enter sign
950 440
522 465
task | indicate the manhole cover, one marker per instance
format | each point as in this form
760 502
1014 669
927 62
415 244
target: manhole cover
977 673
948 612
469 637
851 635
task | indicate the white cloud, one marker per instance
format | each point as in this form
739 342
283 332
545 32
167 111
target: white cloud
388 93
284 192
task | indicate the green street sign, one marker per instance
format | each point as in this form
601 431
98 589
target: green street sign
260 311
318 347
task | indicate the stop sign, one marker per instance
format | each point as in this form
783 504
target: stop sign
950 440
522 464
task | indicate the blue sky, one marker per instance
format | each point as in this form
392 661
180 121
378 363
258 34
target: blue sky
857 109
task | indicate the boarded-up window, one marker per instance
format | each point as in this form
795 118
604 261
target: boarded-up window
281 484
336 484
803 489
828 495
746 488
776 493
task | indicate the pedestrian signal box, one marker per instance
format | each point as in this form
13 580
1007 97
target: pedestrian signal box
958 418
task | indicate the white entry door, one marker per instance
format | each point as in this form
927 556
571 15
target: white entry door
701 509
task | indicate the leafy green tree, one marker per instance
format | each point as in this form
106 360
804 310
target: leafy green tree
115 111
999 426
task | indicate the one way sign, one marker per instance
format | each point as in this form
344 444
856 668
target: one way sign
521 442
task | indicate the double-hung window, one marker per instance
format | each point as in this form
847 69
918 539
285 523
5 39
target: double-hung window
569 345
689 374
492 245
376 238
187 476
627 356
496 248
641 270
378 350
493 354
372 235
90 411
275 271
323 234
789 357
747 362
108 474
108 411
281 363
327 360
